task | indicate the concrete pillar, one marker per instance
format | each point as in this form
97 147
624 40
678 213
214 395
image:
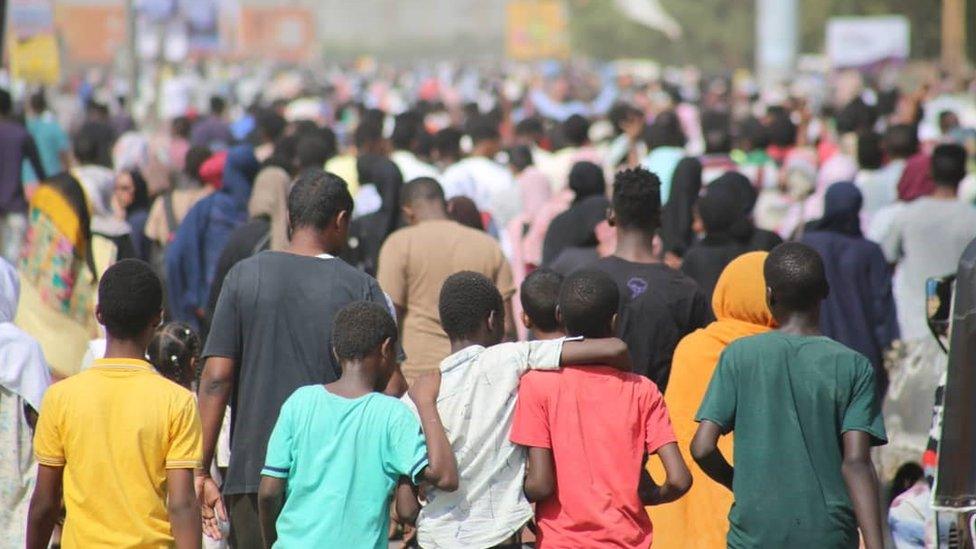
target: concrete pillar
777 40
954 35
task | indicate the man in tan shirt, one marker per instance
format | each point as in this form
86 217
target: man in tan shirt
416 260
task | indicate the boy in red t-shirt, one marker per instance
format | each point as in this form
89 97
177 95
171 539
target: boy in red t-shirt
589 432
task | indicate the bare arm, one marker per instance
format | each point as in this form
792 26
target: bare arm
677 481
407 504
540 475
216 384
862 485
441 470
271 493
45 505
397 386
184 511
705 452
608 351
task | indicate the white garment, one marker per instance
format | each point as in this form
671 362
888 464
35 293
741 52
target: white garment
23 369
879 187
490 185
412 167
477 404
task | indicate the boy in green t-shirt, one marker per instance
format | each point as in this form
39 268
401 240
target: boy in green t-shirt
805 416
338 450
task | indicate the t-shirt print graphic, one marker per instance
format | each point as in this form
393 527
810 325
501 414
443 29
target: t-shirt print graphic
637 287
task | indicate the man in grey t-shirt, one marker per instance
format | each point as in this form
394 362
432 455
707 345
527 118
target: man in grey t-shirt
270 335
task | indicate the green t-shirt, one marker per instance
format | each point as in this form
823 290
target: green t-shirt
789 399
341 459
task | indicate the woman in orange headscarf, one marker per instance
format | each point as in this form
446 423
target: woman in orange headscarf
700 519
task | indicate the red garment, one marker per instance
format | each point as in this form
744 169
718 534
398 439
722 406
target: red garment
212 170
598 422
916 180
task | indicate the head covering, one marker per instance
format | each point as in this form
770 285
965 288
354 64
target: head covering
99 185
212 170
140 199
676 214
586 179
24 370
463 210
916 180
131 152
837 168
269 198
842 210
740 308
58 273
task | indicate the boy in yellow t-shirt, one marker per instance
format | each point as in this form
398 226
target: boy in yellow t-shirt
119 440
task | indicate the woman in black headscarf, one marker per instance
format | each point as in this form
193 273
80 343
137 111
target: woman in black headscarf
367 233
575 227
725 211
131 204
860 310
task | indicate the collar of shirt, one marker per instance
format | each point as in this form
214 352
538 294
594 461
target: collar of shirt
463 356
123 363
325 256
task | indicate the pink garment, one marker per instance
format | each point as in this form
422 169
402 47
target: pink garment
535 190
916 179
836 169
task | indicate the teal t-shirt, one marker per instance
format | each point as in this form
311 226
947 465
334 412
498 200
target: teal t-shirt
789 399
51 141
341 459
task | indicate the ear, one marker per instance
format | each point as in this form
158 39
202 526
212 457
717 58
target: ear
559 315
770 298
492 322
611 217
342 219
526 321
157 320
614 322
98 314
387 349
407 213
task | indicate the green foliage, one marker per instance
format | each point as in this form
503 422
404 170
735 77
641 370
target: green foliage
720 34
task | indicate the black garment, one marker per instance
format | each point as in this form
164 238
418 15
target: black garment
705 261
246 240
573 259
274 319
676 216
658 307
102 136
574 227
367 233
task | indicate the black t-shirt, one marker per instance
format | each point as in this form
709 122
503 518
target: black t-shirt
658 307
274 318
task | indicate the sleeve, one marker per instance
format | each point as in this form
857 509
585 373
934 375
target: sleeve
719 404
185 436
279 458
863 411
503 277
530 426
225 329
48 441
392 270
885 319
31 154
406 450
890 239
657 422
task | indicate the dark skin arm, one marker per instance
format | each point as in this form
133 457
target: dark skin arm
184 510
271 497
511 332
540 475
441 470
862 485
677 481
407 502
609 351
216 384
45 505
705 452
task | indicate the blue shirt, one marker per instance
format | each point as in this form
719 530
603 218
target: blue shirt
341 458
51 141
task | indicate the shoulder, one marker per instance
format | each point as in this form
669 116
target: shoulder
395 409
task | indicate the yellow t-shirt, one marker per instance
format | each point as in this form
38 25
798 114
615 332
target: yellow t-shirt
116 428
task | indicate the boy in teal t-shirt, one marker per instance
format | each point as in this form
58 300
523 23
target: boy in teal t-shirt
338 450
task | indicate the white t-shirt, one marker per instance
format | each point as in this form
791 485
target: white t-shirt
478 390
490 185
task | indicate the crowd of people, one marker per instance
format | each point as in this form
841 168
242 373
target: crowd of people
466 309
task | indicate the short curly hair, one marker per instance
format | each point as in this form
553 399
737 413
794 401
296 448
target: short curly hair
130 296
587 301
466 300
359 328
539 295
637 199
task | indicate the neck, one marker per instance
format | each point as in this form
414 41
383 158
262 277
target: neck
944 192
545 336
806 323
636 246
429 212
482 151
124 348
311 243
464 343
357 380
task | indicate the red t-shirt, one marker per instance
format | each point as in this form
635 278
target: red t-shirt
598 422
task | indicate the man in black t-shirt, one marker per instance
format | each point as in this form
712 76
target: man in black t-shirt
659 305
270 335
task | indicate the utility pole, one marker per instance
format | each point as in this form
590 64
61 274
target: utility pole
777 40
954 35
133 54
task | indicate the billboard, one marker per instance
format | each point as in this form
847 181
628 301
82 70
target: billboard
33 47
537 29
281 33
858 42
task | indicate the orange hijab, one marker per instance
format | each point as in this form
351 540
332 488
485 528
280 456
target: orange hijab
700 518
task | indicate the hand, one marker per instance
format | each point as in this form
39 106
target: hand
424 391
212 509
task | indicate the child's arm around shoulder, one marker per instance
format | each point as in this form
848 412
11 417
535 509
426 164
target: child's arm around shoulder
577 351
441 470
